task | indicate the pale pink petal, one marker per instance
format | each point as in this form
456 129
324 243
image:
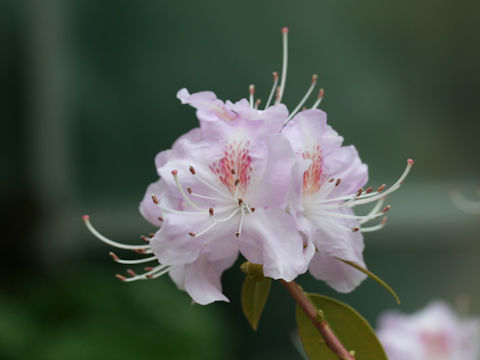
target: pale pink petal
148 209
332 242
209 108
345 164
270 237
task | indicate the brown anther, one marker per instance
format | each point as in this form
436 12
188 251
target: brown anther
381 188
258 102
314 78
113 256
233 171
210 211
251 88
240 201
252 209
304 108
237 234
275 76
277 93
191 234
321 93
144 238
120 277
174 172
192 169
384 220
139 251
338 182
151 235
359 192
189 189
148 268
331 180
155 200
355 229
386 208
149 276
131 272
237 182
160 218
369 190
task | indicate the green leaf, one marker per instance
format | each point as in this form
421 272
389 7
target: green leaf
349 326
373 276
255 292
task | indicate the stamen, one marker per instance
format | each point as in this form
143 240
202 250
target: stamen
239 232
252 92
86 220
284 65
304 99
376 227
184 195
257 104
192 170
210 211
394 187
131 262
209 227
274 87
374 210
319 99
161 269
131 273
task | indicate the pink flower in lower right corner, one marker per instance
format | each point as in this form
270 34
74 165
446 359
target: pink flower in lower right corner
433 333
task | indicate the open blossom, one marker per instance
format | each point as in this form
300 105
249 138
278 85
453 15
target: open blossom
433 333
274 186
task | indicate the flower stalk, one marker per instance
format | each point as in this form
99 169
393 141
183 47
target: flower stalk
317 318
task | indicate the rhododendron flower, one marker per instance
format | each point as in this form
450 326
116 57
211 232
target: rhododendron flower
275 186
434 333
331 186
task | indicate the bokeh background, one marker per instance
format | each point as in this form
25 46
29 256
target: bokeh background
88 98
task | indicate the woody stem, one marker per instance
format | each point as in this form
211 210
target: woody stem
320 323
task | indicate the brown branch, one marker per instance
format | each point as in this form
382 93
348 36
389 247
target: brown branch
304 302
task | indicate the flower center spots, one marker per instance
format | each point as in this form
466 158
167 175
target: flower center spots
312 177
234 168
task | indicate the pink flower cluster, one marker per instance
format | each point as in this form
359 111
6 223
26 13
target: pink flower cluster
274 186
433 333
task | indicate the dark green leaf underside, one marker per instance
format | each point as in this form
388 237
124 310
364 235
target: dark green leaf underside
255 292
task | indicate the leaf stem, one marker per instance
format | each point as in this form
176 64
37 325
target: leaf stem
317 319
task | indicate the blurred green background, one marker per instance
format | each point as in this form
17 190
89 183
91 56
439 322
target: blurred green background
88 99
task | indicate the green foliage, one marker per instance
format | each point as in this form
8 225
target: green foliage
350 327
90 315
255 292
373 276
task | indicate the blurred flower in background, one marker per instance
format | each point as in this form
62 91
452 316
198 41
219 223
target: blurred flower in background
433 333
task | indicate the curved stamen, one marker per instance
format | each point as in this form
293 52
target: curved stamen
319 99
257 104
284 65
184 195
225 218
239 232
376 227
131 262
199 178
374 210
86 220
391 189
161 273
274 87
208 228
147 275
368 196
204 196
304 99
